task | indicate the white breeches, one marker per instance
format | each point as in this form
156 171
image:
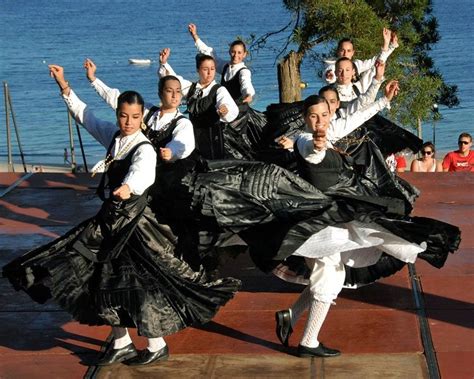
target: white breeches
327 277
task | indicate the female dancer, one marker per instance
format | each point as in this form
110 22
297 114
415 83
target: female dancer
209 105
118 268
373 235
345 48
427 162
236 77
170 132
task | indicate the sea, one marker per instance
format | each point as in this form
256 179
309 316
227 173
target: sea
36 33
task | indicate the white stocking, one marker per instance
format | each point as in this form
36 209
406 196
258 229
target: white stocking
155 344
121 337
300 305
317 314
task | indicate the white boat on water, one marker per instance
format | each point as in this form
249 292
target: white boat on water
139 61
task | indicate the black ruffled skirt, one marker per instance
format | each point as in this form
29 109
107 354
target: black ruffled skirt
119 268
275 212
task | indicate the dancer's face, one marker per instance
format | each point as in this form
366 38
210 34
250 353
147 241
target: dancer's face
171 95
345 72
317 117
207 72
346 50
331 98
129 118
237 54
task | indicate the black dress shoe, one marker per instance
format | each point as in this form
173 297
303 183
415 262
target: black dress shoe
146 357
117 355
320 351
283 326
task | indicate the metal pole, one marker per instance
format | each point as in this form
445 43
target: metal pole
82 147
71 142
10 166
17 133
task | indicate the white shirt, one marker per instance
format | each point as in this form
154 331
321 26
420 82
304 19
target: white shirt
245 76
141 173
182 143
338 128
362 65
342 126
346 91
222 95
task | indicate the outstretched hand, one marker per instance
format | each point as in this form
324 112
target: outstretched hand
57 73
387 35
91 68
192 29
394 40
379 70
164 55
391 89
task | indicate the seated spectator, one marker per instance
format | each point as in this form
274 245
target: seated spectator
461 159
427 162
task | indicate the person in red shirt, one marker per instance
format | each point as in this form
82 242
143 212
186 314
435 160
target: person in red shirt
461 159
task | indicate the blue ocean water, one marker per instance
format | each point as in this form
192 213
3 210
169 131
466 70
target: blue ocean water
36 33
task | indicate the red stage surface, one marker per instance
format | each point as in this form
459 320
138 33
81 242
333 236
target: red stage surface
386 330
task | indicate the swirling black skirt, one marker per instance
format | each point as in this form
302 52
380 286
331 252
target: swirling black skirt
118 268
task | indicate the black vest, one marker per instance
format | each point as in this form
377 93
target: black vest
345 104
160 138
117 170
233 86
206 123
322 175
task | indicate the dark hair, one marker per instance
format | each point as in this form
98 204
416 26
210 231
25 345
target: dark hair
329 88
313 100
467 135
344 59
162 83
341 41
201 58
130 97
238 42
430 145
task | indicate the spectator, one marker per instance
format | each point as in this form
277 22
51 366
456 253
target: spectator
427 162
463 158
396 163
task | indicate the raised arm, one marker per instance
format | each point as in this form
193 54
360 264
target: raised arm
205 49
389 45
341 127
368 97
166 69
109 95
102 131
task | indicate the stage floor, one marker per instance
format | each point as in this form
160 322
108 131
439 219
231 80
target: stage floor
388 329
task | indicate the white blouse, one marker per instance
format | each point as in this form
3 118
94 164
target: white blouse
362 65
223 96
182 143
141 173
245 76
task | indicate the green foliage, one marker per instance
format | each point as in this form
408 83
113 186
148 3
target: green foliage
316 22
